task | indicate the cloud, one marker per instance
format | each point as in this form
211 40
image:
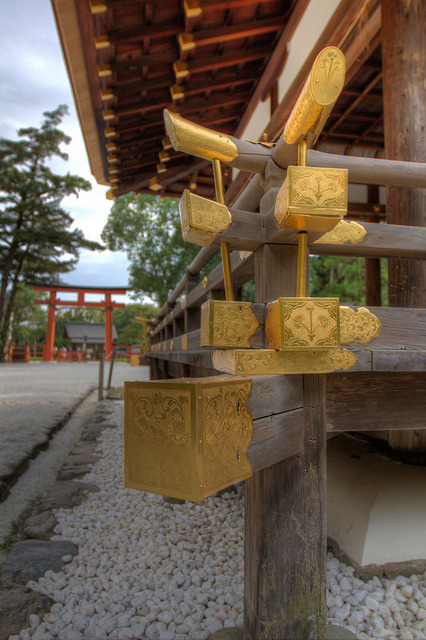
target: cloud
33 79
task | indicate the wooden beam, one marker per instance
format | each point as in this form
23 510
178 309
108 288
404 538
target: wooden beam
220 61
238 31
375 401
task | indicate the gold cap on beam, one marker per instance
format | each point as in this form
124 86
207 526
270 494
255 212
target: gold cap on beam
108 114
154 185
161 167
111 146
112 159
192 8
97 6
166 143
181 70
104 70
197 140
163 156
317 98
110 132
186 42
106 94
101 42
177 92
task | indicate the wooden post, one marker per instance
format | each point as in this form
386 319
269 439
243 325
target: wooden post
404 98
50 329
373 290
108 327
101 377
285 514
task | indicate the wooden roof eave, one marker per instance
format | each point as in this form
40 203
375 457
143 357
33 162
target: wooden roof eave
73 51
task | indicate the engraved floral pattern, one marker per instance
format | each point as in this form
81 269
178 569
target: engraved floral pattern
313 188
309 323
158 438
344 231
227 324
361 325
268 361
227 433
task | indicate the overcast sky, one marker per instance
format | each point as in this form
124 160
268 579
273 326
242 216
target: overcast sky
33 79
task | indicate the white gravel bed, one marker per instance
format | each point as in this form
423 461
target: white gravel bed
147 569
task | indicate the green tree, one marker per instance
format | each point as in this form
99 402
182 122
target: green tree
28 321
343 277
148 229
36 241
128 330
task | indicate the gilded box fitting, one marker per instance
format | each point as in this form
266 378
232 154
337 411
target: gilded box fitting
312 198
202 219
300 324
257 362
197 140
317 98
187 438
227 324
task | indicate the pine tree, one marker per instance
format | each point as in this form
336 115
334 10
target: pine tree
35 237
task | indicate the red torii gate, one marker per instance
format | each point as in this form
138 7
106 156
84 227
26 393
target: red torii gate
53 302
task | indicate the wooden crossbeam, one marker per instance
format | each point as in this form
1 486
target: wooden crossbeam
220 61
237 31
379 401
76 303
365 92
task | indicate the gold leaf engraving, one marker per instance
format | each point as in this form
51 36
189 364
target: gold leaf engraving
316 100
361 325
312 198
268 361
158 439
303 323
325 188
228 430
227 324
202 219
344 231
187 438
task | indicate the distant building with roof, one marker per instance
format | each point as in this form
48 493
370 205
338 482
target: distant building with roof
87 336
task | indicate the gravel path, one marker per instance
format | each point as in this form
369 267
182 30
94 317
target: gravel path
154 570
34 397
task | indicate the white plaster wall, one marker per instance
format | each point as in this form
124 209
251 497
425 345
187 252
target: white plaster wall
376 507
313 23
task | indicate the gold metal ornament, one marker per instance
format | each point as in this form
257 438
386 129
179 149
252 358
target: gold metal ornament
202 219
317 98
300 324
344 231
227 324
197 140
358 324
270 362
312 198
187 438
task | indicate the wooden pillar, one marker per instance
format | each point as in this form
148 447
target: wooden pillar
50 329
108 327
404 99
285 511
373 289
